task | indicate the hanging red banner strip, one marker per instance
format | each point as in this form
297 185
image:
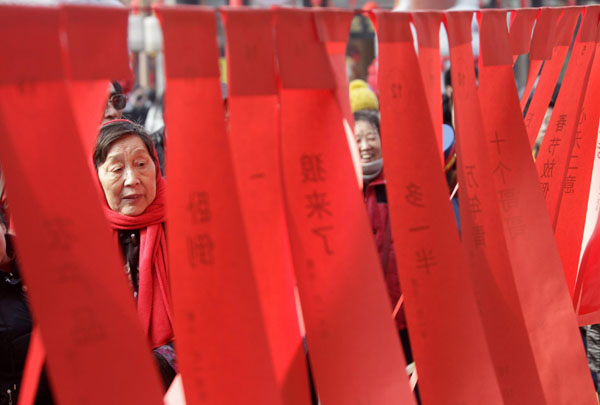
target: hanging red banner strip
555 156
445 326
483 234
254 133
529 236
561 159
521 25
427 25
349 340
585 297
334 29
218 322
36 355
93 338
550 73
94 34
542 42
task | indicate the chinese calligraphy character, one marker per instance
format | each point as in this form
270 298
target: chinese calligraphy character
516 226
578 138
554 143
561 123
474 205
545 188
426 260
418 228
502 168
548 168
312 168
200 250
414 195
471 181
508 199
85 326
317 204
479 235
59 233
321 233
497 140
569 187
198 207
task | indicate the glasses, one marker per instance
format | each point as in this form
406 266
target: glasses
118 101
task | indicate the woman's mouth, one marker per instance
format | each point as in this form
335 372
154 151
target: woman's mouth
132 197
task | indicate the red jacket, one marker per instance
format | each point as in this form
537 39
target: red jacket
376 202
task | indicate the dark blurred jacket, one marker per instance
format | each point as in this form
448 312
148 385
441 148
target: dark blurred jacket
15 332
377 207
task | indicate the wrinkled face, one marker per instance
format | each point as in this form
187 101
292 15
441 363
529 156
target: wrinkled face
369 142
128 176
112 112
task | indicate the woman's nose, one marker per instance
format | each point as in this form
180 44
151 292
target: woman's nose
362 144
110 112
131 177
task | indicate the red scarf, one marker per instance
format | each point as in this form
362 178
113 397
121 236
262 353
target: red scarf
154 298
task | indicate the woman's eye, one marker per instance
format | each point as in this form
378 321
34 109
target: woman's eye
116 169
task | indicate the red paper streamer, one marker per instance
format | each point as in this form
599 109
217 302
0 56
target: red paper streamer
558 162
427 25
36 355
521 24
483 234
445 325
550 73
352 344
585 297
78 293
254 133
218 322
333 27
553 332
544 37
94 34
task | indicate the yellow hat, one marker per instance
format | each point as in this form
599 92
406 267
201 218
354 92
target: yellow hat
362 97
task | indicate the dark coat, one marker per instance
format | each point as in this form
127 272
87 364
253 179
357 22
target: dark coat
377 207
15 332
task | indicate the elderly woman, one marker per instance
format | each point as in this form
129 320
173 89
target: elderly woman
130 177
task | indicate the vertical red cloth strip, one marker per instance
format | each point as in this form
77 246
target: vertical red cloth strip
427 25
334 28
36 355
544 36
483 234
550 73
446 333
555 339
353 347
561 158
585 296
218 322
521 24
94 35
254 133
555 155
79 295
